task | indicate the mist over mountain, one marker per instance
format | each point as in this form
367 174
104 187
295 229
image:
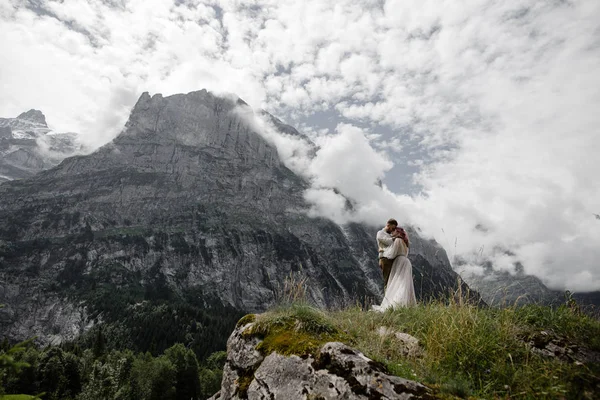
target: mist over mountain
28 146
501 287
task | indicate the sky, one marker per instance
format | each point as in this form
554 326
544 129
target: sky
476 121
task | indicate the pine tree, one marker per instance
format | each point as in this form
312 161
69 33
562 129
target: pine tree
187 383
99 347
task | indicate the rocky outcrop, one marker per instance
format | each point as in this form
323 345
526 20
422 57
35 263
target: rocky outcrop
336 371
188 203
35 116
551 345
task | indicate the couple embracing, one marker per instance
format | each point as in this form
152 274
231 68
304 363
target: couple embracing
393 246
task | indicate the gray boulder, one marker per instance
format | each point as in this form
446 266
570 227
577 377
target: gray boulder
409 345
336 372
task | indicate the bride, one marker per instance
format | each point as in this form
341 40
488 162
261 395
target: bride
400 290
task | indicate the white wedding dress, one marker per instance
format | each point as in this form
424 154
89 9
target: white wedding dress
400 290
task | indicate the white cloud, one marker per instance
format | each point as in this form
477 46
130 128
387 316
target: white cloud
296 152
501 99
347 161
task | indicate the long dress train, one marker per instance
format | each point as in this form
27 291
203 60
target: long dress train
400 290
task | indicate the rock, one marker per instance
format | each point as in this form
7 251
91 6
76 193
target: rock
410 346
35 116
365 376
280 377
216 396
548 344
539 340
335 372
5 132
234 384
241 352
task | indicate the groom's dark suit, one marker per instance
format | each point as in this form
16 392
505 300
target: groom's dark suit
386 266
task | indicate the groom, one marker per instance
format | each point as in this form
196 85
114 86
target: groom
385 238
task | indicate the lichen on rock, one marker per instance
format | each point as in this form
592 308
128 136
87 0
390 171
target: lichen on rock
321 370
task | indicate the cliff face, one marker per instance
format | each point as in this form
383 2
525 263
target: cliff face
189 204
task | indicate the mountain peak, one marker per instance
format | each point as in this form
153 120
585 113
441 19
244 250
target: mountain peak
34 116
220 126
197 117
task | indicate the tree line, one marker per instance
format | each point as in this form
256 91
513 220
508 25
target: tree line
69 372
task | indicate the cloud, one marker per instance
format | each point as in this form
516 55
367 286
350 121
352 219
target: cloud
295 151
493 103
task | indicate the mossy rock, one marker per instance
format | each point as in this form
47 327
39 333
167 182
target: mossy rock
246 319
299 330
245 378
287 342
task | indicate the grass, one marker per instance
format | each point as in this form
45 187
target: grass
293 329
470 352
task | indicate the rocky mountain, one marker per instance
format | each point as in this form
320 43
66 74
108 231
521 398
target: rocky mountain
28 146
170 231
588 298
502 288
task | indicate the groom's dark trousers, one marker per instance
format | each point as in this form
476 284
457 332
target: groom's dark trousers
386 267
